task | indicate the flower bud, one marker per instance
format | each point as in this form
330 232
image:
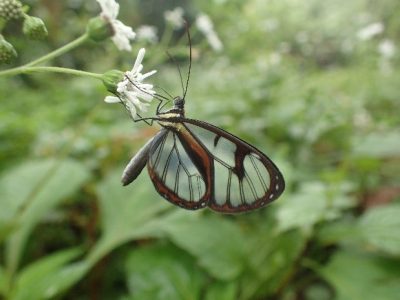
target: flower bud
7 51
99 29
34 28
111 79
10 9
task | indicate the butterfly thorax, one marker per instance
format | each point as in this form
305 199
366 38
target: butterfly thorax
178 111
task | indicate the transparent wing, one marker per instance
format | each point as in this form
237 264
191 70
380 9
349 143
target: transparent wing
179 170
243 178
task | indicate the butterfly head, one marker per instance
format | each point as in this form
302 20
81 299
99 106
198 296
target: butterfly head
179 103
178 110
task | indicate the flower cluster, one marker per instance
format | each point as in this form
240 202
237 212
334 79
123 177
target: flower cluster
370 31
121 33
175 17
205 25
7 51
147 33
10 9
132 91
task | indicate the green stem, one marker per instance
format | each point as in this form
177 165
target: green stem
75 43
167 36
25 70
62 70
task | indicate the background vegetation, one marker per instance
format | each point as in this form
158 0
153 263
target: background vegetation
305 81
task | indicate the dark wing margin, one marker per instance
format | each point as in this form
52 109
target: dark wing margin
243 177
180 169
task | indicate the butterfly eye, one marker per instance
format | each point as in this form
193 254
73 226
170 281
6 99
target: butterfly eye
179 102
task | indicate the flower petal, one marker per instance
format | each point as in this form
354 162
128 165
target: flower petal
139 60
112 99
109 8
148 74
122 35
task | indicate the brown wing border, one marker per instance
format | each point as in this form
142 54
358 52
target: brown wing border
277 182
200 158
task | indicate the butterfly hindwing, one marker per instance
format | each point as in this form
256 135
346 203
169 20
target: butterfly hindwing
179 169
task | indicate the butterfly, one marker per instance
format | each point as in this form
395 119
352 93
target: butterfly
194 164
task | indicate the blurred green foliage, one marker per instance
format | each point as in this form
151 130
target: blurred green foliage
306 82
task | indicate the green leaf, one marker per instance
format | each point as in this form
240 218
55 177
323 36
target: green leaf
380 145
32 190
222 291
6 228
380 228
39 280
155 272
127 212
315 202
216 242
358 276
3 282
124 208
271 261
340 231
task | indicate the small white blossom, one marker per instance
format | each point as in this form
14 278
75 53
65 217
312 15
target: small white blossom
362 118
175 17
205 25
270 25
387 49
132 91
370 31
302 37
275 58
122 33
147 33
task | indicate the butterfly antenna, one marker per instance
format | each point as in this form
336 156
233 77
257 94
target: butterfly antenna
156 95
179 69
168 94
190 59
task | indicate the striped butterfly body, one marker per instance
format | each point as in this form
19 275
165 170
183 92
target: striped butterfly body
194 164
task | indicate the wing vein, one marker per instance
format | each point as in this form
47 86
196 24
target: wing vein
251 185
158 157
228 187
264 185
176 187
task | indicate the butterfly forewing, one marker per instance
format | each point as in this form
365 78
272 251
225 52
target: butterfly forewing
244 178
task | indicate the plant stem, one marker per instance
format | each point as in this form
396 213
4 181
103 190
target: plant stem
25 70
59 51
62 70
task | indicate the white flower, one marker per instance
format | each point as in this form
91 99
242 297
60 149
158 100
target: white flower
175 17
370 31
270 24
204 24
387 48
122 33
275 58
147 33
132 91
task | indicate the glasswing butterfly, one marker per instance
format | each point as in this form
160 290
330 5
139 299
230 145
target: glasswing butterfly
194 164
